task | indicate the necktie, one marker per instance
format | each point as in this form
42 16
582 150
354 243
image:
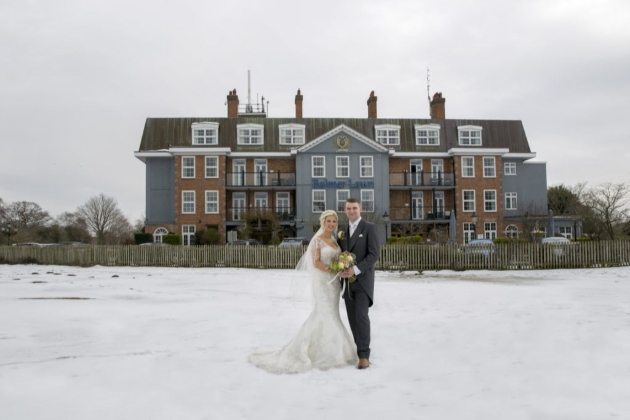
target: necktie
351 229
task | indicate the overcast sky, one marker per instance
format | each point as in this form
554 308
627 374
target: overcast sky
78 78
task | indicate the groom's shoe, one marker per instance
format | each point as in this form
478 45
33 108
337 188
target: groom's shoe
363 364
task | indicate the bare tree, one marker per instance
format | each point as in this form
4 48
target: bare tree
104 219
610 205
28 214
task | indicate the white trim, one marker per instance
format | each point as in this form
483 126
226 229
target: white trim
144 155
421 155
250 126
313 201
291 126
496 204
194 169
344 200
520 155
323 175
466 166
205 168
260 154
207 125
337 166
471 128
368 141
494 166
194 202
427 127
506 199
464 201
387 128
371 166
505 165
456 151
206 201
174 151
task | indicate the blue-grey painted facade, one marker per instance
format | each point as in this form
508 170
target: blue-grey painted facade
330 183
160 190
530 185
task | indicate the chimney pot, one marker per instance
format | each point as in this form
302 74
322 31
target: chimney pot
232 101
298 104
438 109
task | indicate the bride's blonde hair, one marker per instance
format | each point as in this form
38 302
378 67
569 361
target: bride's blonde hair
325 214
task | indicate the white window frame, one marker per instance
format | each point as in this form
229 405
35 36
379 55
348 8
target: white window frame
468 171
237 211
212 202
466 135
387 134
511 201
342 196
339 167
417 205
468 201
261 200
157 235
489 167
239 177
509 168
188 234
321 200
489 204
366 169
291 134
365 201
283 197
210 135
468 231
511 232
490 230
427 134
212 167
566 231
322 166
186 167
247 138
188 200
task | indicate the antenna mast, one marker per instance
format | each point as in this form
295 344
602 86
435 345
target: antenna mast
428 91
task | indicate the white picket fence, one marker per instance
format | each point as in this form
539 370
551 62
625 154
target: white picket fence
517 256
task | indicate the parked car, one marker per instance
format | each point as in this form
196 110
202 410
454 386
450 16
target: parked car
68 243
245 242
558 243
35 244
297 242
480 246
154 244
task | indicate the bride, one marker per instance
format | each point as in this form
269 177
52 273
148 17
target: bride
322 342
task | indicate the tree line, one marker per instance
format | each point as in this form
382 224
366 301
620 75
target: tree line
98 221
603 210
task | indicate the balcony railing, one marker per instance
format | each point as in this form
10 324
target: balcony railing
420 214
421 179
281 213
260 179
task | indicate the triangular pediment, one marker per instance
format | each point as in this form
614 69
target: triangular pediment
337 133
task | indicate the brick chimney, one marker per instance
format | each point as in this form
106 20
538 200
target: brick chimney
232 103
298 104
438 111
371 103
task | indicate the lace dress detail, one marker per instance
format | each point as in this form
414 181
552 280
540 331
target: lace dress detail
322 342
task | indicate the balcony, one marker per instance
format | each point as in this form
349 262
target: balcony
284 215
406 179
260 179
421 214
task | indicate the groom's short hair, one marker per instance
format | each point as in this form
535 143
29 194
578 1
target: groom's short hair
353 200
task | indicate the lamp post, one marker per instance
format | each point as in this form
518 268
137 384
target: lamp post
474 220
9 230
386 219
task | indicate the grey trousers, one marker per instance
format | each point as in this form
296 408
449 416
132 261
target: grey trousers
357 308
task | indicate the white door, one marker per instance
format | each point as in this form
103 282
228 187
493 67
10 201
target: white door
238 205
416 172
437 169
238 172
438 202
417 209
260 172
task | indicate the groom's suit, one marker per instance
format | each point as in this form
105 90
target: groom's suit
359 295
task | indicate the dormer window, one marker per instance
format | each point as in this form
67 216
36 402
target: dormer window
469 135
291 134
205 133
389 135
427 134
250 134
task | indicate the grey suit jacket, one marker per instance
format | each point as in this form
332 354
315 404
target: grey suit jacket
365 245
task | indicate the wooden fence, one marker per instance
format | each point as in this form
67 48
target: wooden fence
523 256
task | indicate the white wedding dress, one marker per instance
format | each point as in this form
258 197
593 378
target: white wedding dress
322 342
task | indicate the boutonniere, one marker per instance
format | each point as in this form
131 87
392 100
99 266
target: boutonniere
341 235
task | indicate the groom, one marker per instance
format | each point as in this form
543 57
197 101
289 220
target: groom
361 239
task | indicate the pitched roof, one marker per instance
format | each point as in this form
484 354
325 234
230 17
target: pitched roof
163 133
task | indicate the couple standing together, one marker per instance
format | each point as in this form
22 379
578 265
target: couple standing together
323 342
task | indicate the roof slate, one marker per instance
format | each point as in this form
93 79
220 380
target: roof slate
163 133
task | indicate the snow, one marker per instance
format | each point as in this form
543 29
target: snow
172 343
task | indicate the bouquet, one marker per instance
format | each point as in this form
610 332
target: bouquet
341 235
341 263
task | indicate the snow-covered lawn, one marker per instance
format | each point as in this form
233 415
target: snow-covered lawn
161 343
